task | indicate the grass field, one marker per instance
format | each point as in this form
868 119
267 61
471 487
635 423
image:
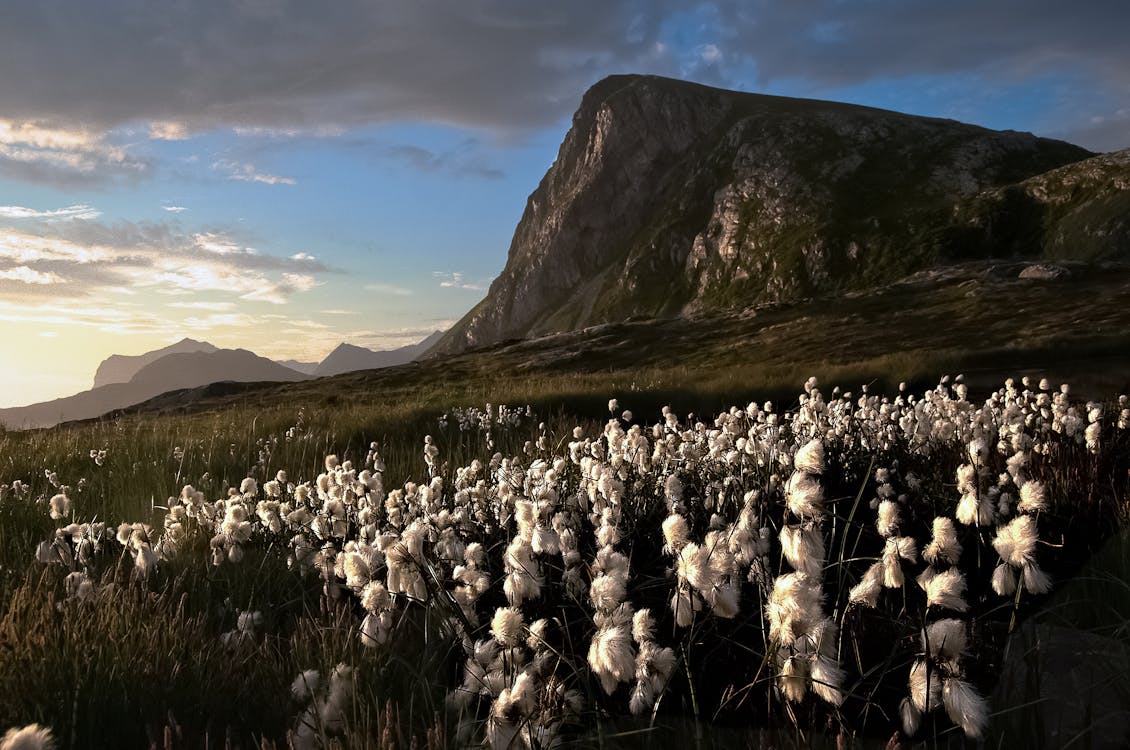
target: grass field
195 629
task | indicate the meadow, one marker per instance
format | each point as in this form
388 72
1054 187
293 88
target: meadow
417 567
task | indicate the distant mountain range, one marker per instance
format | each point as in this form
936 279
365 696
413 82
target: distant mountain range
123 381
348 358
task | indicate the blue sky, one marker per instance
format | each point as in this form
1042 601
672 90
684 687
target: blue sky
283 176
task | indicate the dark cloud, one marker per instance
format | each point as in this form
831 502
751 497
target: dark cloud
497 64
1101 132
506 66
833 43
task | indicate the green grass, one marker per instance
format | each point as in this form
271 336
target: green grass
146 660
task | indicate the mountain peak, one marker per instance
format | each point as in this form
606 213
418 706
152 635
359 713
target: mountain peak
119 368
669 198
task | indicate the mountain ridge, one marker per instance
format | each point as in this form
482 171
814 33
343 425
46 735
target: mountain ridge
119 368
350 357
671 198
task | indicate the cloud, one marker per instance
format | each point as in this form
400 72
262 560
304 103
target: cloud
210 306
83 258
455 280
292 66
168 131
78 211
828 42
339 312
63 157
25 275
174 209
247 173
1105 132
458 163
397 291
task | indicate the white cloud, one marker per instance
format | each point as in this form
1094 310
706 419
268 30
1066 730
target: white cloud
248 173
397 291
210 306
41 152
77 211
455 280
174 209
168 130
27 275
338 312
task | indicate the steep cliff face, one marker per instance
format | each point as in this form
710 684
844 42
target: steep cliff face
671 198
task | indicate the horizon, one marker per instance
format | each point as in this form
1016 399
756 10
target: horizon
284 179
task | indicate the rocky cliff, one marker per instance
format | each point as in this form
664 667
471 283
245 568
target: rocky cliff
670 198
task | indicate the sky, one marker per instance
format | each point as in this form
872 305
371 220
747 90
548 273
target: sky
282 176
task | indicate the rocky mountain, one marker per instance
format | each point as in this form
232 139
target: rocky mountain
166 373
1077 212
669 198
119 368
348 358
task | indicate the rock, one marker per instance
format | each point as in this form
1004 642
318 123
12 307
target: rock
1044 272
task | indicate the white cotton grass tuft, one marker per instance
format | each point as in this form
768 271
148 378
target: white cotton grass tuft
611 656
1033 498
793 679
910 717
965 706
1035 580
31 737
888 521
305 685
676 532
925 685
1004 580
867 591
946 590
1016 541
60 506
810 458
794 605
945 639
643 626
804 496
944 546
803 547
827 679
506 626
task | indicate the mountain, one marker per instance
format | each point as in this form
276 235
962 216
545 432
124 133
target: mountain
348 358
191 369
167 373
671 198
1079 212
306 368
119 368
